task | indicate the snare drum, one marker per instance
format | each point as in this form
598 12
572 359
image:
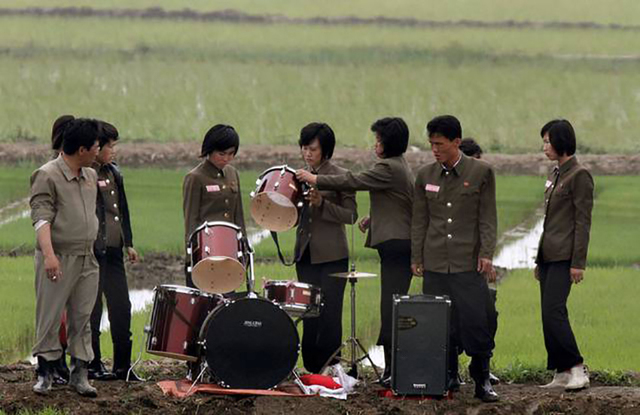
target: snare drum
249 343
277 199
176 319
218 257
298 299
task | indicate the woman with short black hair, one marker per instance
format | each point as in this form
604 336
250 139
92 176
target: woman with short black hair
321 246
211 191
562 252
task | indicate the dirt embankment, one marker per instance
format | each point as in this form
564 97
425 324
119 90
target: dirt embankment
236 16
116 397
259 157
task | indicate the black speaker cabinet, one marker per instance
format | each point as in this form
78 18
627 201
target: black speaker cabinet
420 344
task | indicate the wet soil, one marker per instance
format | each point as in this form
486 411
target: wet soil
260 157
117 397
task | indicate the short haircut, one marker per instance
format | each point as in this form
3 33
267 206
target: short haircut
81 132
57 131
108 132
394 135
470 147
561 136
220 138
323 133
447 126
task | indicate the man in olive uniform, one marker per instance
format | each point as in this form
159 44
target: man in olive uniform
453 241
63 212
114 234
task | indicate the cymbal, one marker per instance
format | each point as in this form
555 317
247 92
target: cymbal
353 274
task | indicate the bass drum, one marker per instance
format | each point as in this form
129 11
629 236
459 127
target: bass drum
250 343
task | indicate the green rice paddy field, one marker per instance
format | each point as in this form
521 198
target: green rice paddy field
600 307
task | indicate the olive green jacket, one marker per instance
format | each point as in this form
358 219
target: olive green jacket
454 216
211 194
321 229
568 203
390 186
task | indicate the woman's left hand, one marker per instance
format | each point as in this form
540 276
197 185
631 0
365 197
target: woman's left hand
314 197
132 254
577 275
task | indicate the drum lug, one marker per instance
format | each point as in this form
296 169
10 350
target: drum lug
283 171
206 230
189 251
193 301
276 185
299 204
252 195
185 345
154 340
240 255
207 250
239 236
258 181
147 329
189 269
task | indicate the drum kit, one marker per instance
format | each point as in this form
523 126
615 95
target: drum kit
240 340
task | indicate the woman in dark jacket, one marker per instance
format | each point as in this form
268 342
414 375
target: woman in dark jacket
562 252
321 246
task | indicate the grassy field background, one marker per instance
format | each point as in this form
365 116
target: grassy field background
171 80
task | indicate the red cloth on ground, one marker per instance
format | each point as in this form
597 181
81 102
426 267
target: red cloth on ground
322 380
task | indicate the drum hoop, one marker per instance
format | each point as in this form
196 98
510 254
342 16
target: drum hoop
183 290
211 224
270 169
290 283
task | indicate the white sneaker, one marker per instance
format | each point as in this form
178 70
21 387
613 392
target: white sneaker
579 378
560 380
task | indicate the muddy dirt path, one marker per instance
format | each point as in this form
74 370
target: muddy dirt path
259 157
119 398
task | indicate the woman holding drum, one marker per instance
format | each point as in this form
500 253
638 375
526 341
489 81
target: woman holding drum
211 191
321 246
390 186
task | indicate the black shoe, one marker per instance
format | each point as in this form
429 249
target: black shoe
494 379
60 371
97 371
484 391
121 374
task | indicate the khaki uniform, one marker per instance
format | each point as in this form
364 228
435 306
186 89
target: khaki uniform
568 203
323 224
454 216
68 204
390 186
211 194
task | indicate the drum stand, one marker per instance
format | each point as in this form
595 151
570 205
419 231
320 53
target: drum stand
354 344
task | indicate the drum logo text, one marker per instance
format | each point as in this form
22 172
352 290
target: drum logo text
252 323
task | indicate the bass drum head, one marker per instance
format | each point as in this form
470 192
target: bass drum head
250 344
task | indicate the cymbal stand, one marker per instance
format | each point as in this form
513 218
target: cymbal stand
251 279
352 341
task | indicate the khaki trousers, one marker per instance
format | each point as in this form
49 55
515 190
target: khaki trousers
76 291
